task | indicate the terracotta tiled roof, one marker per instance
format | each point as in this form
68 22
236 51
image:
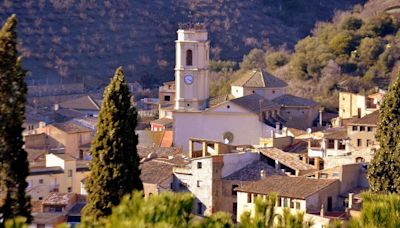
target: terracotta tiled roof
293 187
296 132
288 159
254 102
159 152
291 100
299 147
252 172
370 119
158 171
81 103
70 127
335 133
163 121
45 170
259 79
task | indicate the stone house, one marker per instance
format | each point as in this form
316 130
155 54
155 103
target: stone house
314 197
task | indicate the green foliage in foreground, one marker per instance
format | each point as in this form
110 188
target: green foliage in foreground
165 210
384 170
378 210
265 216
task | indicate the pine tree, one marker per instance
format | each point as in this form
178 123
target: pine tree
115 163
384 170
14 166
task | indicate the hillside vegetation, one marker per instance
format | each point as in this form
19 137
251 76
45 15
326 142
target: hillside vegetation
354 53
84 40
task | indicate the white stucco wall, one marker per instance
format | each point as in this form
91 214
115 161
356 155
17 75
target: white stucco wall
203 193
245 126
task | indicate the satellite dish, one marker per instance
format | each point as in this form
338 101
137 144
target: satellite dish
309 130
228 137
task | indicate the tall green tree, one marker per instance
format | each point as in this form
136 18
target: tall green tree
115 163
384 170
14 166
379 210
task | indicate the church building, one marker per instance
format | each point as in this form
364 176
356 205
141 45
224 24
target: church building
259 105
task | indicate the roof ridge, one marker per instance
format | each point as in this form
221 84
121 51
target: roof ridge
92 100
252 75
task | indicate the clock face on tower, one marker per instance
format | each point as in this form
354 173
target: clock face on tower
188 79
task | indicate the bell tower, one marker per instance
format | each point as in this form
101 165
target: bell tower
191 69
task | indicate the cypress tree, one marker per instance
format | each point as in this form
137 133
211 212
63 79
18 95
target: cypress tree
384 170
115 163
14 166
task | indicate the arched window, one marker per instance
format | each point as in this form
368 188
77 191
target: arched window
189 58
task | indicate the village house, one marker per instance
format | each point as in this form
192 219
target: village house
69 137
78 107
314 197
60 173
357 105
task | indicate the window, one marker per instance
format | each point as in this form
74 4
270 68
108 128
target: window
167 98
359 142
40 181
369 128
199 208
355 128
70 173
254 91
248 197
40 225
285 203
331 144
228 106
40 198
81 154
189 58
298 205
58 209
342 145
198 183
279 203
368 143
273 91
291 204
188 105
362 128
234 193
69 189
199 165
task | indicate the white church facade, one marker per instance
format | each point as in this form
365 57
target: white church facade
259 104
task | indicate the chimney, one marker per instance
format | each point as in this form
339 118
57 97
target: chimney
322 211
56 107
262 173
351 197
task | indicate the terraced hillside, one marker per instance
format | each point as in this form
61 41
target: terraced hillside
85 40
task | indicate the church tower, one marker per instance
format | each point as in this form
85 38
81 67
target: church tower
191 69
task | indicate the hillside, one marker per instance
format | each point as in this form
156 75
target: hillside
75 40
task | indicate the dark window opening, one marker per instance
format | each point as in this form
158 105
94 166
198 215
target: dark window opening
199 208
362 128
331 144
355 128
359 143
167 98
234 192
199 165
189 58
369 128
